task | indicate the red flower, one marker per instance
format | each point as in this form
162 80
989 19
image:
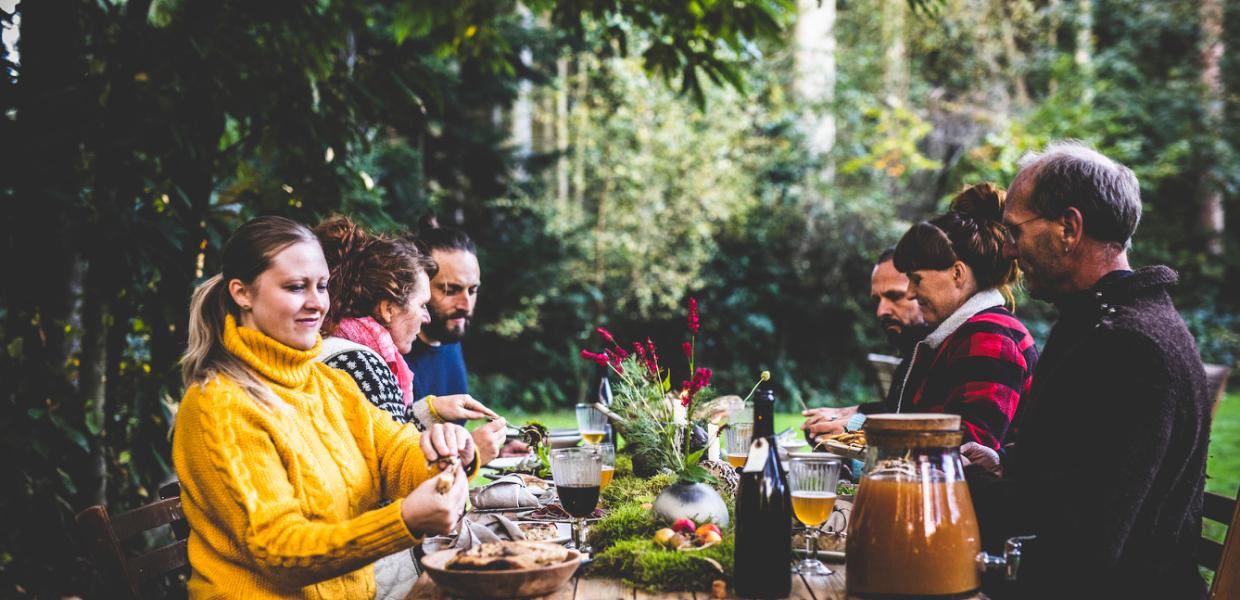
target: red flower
694 322
606 336
654 352
688 348
597 357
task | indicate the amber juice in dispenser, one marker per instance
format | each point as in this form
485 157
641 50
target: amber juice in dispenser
913 531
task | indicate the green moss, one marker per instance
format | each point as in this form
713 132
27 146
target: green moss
645 565
635 490
624 466
624 522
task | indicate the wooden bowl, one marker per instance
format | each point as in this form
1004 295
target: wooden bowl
514 583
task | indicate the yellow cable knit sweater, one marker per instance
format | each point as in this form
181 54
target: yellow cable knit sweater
281 502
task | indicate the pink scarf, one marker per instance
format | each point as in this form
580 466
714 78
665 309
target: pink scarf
368 332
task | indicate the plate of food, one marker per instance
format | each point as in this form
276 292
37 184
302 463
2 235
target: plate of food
502 569
850 444
555 512
546 531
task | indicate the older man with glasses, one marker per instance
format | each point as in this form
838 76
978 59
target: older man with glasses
1110 465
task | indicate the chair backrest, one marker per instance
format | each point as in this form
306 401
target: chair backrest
126 575
1216 382
884 368
1222 558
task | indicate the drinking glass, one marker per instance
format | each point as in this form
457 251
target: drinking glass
738 439
592 423
813 480
577 474
607 453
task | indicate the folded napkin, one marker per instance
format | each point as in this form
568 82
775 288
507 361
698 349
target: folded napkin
480 529
508 491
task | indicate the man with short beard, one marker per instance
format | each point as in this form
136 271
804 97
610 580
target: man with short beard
1110 465
902 321
436 359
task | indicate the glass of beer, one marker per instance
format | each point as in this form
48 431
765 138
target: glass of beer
578 477
592 423
607 453
737 443
813 479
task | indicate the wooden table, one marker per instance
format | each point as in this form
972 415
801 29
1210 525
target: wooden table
830 587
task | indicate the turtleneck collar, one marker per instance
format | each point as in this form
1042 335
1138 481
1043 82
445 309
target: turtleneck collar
1116 287
277 362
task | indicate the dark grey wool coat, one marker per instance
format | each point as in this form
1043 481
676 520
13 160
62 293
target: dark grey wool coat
1110 465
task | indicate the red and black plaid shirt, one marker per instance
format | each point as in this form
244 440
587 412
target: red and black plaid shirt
979 372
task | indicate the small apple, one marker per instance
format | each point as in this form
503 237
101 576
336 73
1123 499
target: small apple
662 536
686 526
676 541
711 538
705 527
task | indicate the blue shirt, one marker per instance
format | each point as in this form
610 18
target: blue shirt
437 370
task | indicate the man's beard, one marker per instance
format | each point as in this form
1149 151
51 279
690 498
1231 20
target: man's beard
906 336
439 330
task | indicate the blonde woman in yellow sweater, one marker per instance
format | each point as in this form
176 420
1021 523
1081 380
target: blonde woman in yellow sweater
281 458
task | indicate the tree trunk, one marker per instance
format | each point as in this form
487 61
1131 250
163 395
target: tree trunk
895 59
814 83
1012 55
582 107
93 375
561 133
1211 203
1083 55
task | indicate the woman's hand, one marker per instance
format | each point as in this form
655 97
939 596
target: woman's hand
488 439
986 458
826 421
442 440
428 512
461 407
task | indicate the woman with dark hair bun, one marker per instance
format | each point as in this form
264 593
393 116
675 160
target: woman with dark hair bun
978 362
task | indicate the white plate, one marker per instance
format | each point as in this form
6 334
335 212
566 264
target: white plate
565 531
505 462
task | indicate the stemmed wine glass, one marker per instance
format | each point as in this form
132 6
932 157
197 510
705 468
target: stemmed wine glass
813 480
577 474
592 423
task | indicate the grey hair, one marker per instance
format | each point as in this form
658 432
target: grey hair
1068 173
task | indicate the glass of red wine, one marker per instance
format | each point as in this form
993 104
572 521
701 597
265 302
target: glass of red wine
577 473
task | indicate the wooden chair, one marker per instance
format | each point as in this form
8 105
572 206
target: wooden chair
1216 382
122 574
884 368
1224 558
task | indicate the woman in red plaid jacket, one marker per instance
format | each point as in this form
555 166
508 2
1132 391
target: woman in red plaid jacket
978 362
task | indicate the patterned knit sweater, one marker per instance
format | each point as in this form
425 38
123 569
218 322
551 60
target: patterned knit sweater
281 502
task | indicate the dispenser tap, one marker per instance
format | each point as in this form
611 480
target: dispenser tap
1009 562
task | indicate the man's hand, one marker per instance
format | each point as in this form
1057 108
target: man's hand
977 454
462 407
426 511
826 421
441 440
515 448
488 438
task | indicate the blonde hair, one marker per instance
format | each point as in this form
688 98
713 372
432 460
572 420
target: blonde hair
246 255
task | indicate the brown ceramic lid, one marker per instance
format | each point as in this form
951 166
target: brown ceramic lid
912 422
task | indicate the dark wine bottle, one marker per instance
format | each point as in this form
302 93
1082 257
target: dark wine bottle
763 551
600 392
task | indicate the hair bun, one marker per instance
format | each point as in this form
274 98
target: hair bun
981 201
341 238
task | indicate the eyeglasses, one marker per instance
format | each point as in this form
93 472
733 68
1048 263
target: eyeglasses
1012 232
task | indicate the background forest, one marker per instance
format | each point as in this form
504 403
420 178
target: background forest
611 158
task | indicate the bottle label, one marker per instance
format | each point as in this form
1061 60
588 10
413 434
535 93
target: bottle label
758 452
